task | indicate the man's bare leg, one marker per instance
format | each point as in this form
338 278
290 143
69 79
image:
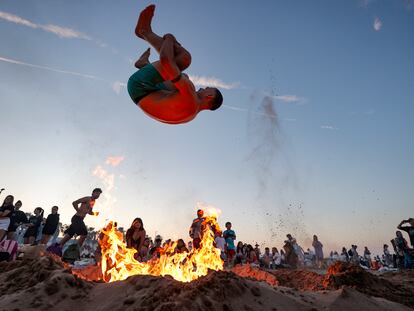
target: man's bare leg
81 240
64 240
144 31
143 59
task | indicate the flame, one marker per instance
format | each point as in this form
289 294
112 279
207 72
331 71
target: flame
118 262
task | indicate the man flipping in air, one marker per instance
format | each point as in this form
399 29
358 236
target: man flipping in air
161 89
77 225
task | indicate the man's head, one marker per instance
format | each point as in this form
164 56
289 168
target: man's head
228 225
211 96
158 240
96 193
200 213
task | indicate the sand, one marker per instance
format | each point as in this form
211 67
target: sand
46 283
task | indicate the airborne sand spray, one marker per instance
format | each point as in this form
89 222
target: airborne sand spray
277 183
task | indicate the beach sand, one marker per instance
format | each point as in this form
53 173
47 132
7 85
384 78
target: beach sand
46 283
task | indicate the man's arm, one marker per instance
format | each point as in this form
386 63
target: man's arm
400 225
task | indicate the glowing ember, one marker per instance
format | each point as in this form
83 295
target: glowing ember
118 262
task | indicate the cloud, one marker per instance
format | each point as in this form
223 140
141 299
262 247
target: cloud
117 86
212 82
12 61
328 127
290 99
377 24
61 32
114 161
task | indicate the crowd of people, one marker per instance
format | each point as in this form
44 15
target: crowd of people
35 228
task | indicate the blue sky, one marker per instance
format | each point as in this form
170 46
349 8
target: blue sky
337 160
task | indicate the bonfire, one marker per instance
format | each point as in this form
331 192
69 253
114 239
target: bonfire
118 262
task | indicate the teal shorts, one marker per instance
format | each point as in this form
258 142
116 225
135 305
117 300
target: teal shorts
143 82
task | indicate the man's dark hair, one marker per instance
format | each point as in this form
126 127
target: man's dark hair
228 223
97 190
217 101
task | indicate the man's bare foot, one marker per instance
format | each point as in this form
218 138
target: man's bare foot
143 59
144 21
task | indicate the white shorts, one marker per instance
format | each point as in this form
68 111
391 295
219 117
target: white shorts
4 223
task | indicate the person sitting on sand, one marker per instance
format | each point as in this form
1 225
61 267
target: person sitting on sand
143 253
135 236
240 254
160 89
276 259
266 258
154 252
52 222
77 225
251 258
180 247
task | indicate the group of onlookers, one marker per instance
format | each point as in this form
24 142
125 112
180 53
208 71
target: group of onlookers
37 229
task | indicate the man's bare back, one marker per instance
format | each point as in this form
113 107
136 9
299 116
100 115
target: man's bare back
160 89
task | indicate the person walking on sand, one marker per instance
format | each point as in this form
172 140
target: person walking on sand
160 89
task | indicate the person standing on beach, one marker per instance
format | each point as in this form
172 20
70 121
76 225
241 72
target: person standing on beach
196 229
77 225
6 211
230 236
52 222
317 245
17 218
409 229
33 226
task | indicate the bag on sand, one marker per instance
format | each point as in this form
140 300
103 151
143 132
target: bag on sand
55 249
72 253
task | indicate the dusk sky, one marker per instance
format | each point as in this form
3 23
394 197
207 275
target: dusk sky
314 135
